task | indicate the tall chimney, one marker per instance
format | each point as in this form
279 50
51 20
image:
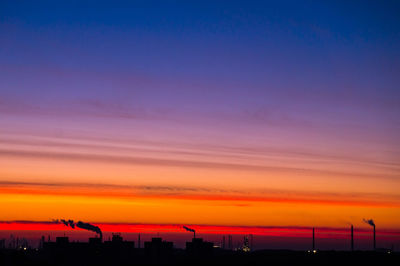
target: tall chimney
313 238
138 240
352 238
374 239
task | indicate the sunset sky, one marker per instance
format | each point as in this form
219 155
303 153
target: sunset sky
250 114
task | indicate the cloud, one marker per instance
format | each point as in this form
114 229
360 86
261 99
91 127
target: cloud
167 162
240 198
88 108
29 222
136 188
192 154
58 184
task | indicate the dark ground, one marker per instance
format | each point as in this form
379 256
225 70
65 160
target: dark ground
179 257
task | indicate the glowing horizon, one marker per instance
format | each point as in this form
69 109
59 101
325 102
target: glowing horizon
280 231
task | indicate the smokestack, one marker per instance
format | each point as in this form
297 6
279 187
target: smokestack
371 223
352 238
42 241
313 238
374 238
139 241
190 230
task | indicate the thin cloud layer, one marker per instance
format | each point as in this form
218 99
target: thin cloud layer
200 193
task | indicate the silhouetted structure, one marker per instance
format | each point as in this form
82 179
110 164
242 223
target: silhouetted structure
158 250
374 238
117 243
85 256
116 251
63 243
199 248
95 241
352 238
62 240
190 230
313 239
371 223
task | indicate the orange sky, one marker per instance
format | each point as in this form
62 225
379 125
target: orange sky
168 181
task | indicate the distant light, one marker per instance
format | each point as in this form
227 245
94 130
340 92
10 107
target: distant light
314 251
24 248
389 252
309 251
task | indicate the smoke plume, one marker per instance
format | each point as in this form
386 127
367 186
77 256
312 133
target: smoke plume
189 229
89 227
68 223
81 225
370 222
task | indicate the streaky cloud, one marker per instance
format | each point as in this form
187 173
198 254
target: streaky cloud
172 163
239 198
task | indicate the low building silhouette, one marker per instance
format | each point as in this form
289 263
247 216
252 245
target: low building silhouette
158 250
95 241
61 242
117 243
2 243
199 248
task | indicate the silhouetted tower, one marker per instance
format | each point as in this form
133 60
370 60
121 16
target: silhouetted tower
371 223
12 241
223 242
42 240
251 241
352 238
313 238
138 240
230 242
374 239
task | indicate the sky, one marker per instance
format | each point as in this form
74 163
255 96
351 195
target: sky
242 114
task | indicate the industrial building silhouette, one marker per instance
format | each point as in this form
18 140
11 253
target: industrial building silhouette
117 251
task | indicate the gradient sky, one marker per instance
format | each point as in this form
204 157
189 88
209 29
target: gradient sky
230 113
